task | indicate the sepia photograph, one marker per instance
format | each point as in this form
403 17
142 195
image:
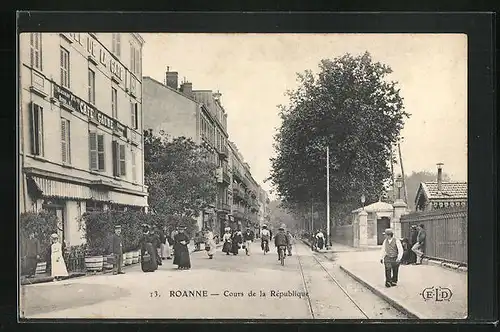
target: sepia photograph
242 176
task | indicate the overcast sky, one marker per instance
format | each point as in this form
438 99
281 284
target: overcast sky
252 71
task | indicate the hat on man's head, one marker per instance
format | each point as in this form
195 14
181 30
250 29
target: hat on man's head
54 236
388 231
118 226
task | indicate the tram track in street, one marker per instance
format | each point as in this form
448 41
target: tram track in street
372 308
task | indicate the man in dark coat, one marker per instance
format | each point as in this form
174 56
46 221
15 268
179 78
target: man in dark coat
32 254
116 248
156 242
236 241
281 240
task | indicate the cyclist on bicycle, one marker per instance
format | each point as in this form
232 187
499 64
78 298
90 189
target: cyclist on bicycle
265 236
281 240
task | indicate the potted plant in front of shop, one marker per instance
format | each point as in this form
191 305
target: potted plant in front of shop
97 227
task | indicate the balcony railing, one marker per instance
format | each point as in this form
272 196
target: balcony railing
223 151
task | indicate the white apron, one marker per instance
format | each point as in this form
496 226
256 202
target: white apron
211 243
57 260
166 252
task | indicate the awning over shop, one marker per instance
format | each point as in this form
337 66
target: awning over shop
51 188
127 199
60 189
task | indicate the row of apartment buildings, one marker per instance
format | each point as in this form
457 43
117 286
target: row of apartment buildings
178 110
83 107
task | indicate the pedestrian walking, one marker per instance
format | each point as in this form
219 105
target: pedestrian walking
290 241
248 237
419 247
236 242
156 242
210 245
32 253
181 252
391 254
116 249
57 260
227 239
149 262
165 246
320 240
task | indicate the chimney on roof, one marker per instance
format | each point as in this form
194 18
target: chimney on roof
440 177
187 89
171 78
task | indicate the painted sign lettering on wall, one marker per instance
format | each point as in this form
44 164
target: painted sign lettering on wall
67 98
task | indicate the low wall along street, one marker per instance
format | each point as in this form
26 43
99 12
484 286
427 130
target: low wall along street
446 233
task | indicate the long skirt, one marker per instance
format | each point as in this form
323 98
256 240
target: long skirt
151 264
58 266
181 257
235 248
227 247
212 247
165 250
320 243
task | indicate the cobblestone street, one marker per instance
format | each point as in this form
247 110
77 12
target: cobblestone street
226 281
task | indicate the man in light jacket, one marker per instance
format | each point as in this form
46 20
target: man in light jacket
390 256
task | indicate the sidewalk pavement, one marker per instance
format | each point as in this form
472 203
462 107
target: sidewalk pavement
41 278
417 293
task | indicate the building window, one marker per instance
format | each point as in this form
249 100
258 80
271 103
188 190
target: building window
65 141
90 45
114 103
135 60
134 169
133 85
96 148
36 126
119 160
64 68
91 86
134 115
36 50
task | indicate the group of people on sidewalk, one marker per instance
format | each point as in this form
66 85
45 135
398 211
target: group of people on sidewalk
155 247
55 259
393 253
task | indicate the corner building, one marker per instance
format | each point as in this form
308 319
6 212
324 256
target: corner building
80 125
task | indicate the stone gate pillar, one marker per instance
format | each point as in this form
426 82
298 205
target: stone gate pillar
363 228
400 209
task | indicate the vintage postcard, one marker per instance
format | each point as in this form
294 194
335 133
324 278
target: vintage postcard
242 176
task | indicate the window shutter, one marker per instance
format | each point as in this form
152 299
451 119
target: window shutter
68 140
118 46
134 168
32 51
115 159
136 110
34 130
63 141
37 51
132 115
100 152
93 150
122 160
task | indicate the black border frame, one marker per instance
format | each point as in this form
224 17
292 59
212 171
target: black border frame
482 118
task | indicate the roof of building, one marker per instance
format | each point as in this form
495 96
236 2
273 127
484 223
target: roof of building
449 190
376 207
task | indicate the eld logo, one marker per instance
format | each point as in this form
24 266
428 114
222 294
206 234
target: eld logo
437 294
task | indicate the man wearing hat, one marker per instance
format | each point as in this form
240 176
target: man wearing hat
391 254
248 236
116 248
281 239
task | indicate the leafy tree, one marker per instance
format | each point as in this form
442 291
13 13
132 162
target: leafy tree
353 109
180 178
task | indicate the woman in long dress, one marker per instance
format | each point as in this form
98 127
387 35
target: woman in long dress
210 244
237 240
227 246
181 252
57 260
149 262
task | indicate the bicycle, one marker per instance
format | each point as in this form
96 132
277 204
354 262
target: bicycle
281 252
265 246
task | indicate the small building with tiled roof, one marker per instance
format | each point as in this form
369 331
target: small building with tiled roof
440 195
